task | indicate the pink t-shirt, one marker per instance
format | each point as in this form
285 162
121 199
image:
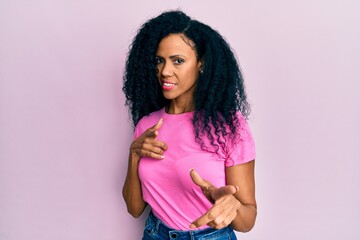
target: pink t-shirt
166 184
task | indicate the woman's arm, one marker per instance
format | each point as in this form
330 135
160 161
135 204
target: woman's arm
145 145
132 188
242 176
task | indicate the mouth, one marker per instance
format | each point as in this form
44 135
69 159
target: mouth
167 85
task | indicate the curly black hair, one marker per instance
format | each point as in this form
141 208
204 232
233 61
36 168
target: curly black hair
219 94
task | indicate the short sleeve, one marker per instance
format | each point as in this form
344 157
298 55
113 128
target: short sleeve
243 149
146 122
137 131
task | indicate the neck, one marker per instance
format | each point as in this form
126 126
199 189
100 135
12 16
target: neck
175 108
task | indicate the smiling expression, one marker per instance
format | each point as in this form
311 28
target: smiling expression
178 68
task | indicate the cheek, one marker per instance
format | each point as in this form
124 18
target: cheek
192 76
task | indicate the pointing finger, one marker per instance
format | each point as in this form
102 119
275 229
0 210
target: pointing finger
205 218
223 191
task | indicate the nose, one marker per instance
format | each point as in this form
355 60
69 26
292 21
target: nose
166 70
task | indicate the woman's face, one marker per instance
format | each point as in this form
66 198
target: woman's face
178 68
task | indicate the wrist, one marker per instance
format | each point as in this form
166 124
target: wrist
133 156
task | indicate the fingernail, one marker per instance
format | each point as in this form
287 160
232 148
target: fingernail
162 157
237 188
192 226
190 169
156 133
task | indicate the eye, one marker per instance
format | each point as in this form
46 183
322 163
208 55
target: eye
178 61
159 60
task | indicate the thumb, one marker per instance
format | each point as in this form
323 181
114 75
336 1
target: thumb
198 180
205 186
152 131
211 192
157 125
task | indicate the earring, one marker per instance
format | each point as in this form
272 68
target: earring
201 70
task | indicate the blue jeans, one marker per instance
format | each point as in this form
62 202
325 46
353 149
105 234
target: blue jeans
157 230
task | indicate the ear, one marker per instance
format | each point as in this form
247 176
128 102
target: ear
200 65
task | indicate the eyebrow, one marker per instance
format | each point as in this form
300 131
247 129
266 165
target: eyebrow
174 56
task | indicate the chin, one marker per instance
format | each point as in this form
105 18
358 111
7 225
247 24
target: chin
169 96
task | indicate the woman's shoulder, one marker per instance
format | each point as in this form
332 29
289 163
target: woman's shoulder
239 128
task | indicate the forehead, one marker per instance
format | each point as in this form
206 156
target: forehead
176 44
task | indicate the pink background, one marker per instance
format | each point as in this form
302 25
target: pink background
65 133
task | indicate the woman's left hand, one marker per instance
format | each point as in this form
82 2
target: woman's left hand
225 207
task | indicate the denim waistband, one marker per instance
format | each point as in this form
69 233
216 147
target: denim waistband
160 229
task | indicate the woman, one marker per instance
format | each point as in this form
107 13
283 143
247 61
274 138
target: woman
192 158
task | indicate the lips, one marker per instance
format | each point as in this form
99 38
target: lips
167 85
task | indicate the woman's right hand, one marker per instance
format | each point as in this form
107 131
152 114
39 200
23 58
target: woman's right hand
146 145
